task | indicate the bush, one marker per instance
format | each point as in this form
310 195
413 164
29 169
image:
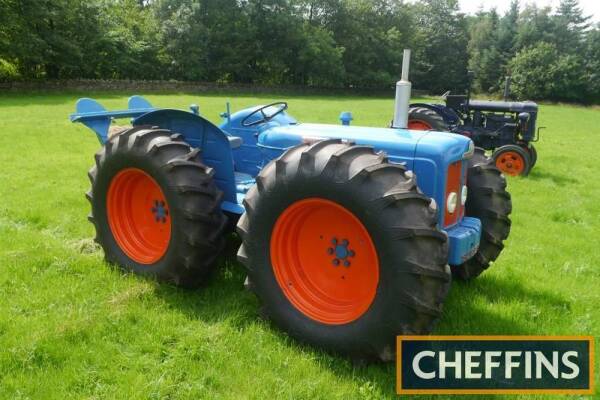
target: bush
8 71
541 72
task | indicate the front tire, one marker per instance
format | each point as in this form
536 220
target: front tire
343 250
155 206
531 150
488 201
512 160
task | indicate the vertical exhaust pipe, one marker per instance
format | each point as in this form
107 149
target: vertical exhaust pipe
403 87
507 88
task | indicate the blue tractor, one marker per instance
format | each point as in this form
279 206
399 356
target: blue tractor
342 246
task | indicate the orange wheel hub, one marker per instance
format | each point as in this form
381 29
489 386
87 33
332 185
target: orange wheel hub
324 261
418 125
138 216
511 163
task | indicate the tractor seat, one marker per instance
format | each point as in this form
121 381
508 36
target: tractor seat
235 141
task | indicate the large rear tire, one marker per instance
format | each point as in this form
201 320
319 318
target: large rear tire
343 250
488 201
424 119
155 206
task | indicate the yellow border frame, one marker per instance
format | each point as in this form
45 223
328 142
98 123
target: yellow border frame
399 389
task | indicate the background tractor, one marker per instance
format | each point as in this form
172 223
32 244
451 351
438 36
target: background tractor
341 245
506 128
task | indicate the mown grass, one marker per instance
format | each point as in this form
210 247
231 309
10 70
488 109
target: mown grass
73 327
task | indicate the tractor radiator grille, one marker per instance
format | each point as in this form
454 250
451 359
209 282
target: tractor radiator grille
454 183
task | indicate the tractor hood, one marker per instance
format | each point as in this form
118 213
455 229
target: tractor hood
401 145
427 153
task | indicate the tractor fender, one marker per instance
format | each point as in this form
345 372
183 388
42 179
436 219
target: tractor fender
203 134
449 115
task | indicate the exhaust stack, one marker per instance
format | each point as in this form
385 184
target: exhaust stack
403 87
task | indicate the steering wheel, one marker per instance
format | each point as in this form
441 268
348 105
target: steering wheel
278 107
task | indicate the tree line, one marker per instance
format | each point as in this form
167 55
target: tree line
552 54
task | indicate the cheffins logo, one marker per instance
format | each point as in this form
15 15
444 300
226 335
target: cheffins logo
495 364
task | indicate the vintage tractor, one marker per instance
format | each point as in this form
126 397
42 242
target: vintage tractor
341 245
504 127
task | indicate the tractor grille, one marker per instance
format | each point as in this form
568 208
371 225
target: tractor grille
454 183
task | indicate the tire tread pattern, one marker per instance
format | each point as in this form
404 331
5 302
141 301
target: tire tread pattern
435 120
414 248
198 222
489 201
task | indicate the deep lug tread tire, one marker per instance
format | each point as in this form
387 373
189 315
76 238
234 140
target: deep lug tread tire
412 251
488 201
430 117
193 198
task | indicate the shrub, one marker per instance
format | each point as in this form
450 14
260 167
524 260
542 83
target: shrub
541 72
8 71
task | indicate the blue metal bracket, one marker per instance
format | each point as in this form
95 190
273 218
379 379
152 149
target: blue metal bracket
93 115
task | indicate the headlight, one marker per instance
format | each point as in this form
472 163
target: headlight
451 202
463 195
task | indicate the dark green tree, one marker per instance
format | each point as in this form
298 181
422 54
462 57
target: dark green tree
592 64
535 25
319 59
506 42
485 59
571 26
329 43
441 53
542 72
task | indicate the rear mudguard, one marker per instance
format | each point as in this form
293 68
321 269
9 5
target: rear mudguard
196 130
449 115
203 134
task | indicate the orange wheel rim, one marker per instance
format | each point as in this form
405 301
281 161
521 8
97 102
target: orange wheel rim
138 216
511 163
324 261
418 125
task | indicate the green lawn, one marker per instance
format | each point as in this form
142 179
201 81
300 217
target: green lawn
73 327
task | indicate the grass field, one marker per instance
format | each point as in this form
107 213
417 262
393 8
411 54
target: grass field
72 327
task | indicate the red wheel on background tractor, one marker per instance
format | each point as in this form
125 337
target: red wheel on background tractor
512 160
343 250
417 125
155 206
425 119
